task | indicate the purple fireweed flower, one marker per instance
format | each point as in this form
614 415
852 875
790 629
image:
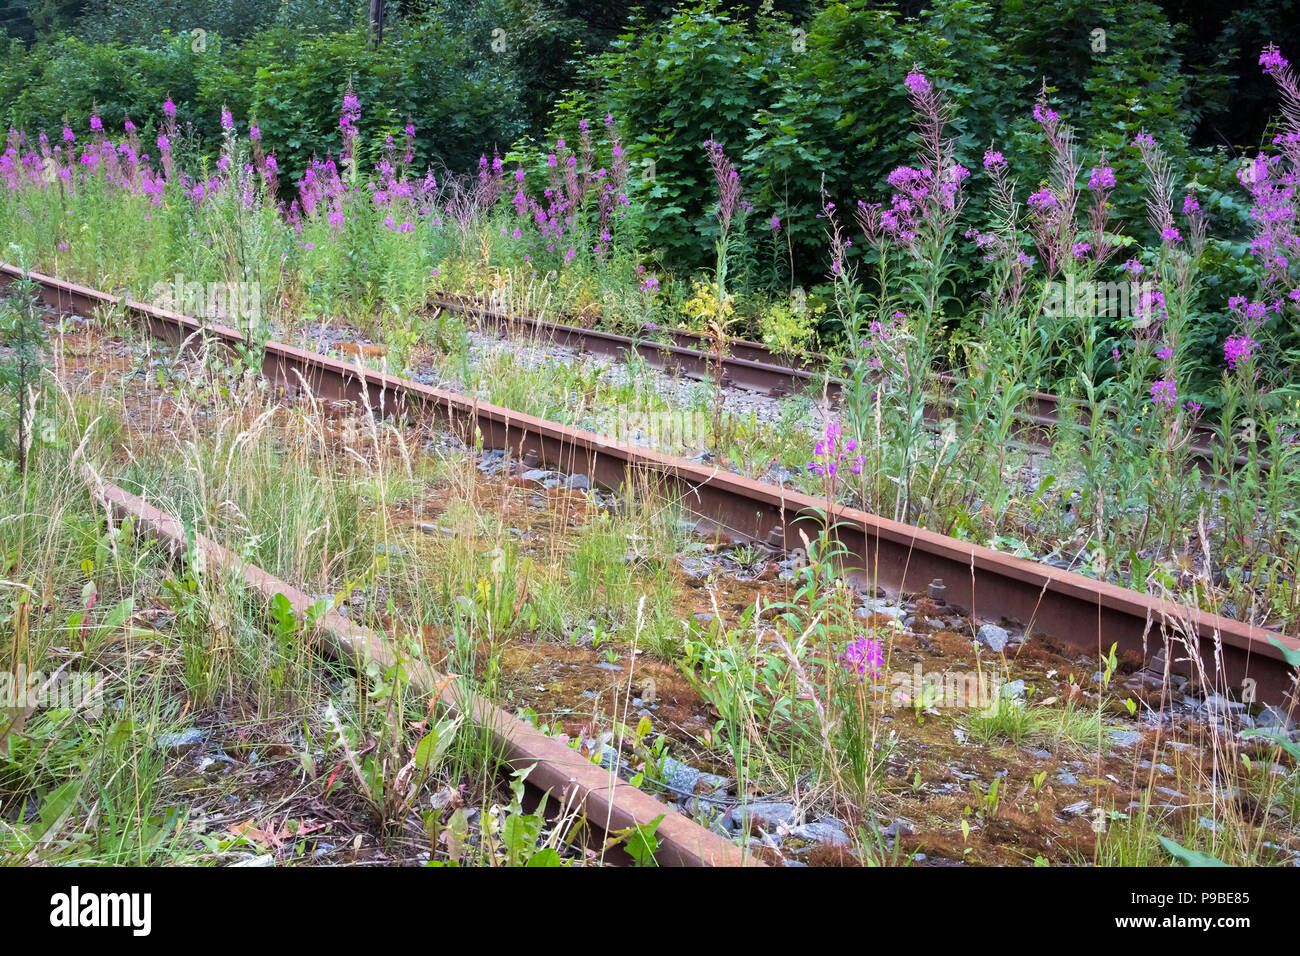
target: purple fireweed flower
1102 177
1043 200
163 143
1134 267
1190 206
917 84
1144 139
169 108
651 284
1165 393
1238 349
96 123
864 656
68 135
254 134
994 160
349 114
1044 115
1080 249
1171 234
1165 354
830 452
1150 306
1271 60
728 182
775 223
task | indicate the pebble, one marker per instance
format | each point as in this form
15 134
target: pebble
1274 716
824 832
542 477
1218 704
679 777
896 613
711 783
181 742
769 814
491 462
216 764
995 637
609 758
1125 738
694 567
708 815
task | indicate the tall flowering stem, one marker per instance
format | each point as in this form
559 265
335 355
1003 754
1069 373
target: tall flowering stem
1164 303
1274 184
727 180
349 115
917 226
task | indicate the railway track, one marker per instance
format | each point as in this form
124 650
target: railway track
572 784
753 366
1088 614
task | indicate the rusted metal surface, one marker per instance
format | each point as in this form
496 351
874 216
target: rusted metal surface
988 584
606 801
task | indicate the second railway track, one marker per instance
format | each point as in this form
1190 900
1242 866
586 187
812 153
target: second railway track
753 366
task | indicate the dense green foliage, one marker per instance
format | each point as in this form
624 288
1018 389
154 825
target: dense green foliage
805 98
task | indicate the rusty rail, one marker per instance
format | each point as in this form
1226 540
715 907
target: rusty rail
1078 610
754 366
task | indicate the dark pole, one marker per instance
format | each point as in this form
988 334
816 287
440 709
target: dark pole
377 21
